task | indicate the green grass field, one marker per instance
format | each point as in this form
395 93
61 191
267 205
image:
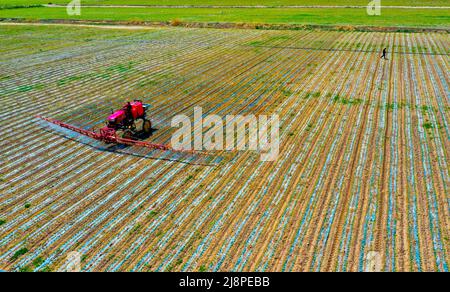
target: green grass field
322 16
234 2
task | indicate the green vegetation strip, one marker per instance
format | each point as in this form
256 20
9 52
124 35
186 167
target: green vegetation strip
235 2
323 16
9 6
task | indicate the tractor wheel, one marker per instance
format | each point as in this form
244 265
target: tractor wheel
147 127
127 134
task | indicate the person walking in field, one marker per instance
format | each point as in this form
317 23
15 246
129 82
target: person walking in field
384 54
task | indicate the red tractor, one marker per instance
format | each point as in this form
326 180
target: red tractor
128 120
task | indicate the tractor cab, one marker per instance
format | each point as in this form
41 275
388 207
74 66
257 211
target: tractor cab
126 119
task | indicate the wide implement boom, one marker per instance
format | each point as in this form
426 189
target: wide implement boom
110 137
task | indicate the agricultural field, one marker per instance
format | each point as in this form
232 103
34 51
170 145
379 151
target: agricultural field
363 167
411 14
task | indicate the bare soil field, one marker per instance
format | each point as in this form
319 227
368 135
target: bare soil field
362 175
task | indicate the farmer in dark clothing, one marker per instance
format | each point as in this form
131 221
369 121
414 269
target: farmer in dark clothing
384 54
